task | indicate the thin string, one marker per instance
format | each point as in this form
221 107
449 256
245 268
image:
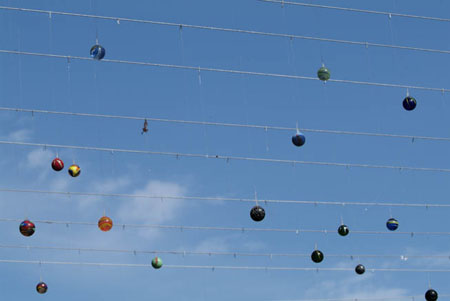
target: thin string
229 71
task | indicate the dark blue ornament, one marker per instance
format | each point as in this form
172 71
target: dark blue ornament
298 139
97 52
409 103
392 224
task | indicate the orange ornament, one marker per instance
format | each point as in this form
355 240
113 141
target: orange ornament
105 223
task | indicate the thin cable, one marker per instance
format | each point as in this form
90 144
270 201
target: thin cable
233 229
223 157
360 299
375 12
212 267
217 253
228 71
226 124
233 30
226 199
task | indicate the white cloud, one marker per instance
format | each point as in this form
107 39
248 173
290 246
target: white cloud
20 135
39 158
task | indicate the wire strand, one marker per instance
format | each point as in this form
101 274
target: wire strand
227 199
222 267
218 253
232 30
228 71
232 229
389 14
225 124
224 157
413 298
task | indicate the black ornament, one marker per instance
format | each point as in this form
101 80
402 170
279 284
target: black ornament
360 269
257 213
431 295
317 256
343 230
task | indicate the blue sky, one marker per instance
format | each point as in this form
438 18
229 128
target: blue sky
120 89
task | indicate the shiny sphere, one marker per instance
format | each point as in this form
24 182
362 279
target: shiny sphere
317 256
392 224
57 164
431 295
74 170
41 287
97 52
105 223
409 103
323 74
157 263
27 228
343 230
298 139
360 269
257 213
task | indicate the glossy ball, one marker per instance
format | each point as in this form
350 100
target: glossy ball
57 164
97 52
392 224
157 263
317 256
257 213
409 103
105 223
431 295
298 139
41 287
343 230
74 170
360 269
323 74
27 228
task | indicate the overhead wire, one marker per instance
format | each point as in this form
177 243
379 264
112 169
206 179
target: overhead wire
220 267
224 157
413 298
227 71
232 30
218 253
350 9
231 229
225 124
229 199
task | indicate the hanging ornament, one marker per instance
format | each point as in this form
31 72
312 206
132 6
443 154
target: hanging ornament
360 269
97 52
317 256
298 139
157 263
257 213
27 228
74 170
392 224
41 287
323 74
343 230
57 164
409 103
431 295
105 223
145 128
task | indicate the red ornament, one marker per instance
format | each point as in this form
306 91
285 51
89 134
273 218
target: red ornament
57 164
105 223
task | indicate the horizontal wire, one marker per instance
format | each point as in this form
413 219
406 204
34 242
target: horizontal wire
228 71
413 298
225 124
375 12
212 267
234 229
218 253
233 30
223 157
222 199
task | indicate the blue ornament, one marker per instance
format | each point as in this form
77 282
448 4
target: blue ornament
298 139
392 224
98 52
409 103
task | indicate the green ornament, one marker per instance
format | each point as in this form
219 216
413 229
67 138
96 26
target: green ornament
323 74
157 263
